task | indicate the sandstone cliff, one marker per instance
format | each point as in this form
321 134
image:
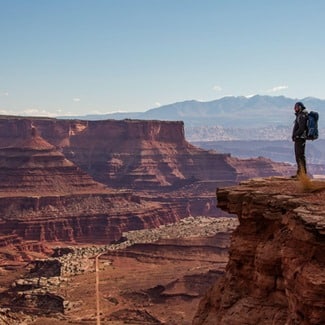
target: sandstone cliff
44 197
70 180
275 274
137 154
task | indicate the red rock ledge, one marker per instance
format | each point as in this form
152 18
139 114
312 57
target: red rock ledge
275 274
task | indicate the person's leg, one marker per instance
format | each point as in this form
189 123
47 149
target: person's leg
300 146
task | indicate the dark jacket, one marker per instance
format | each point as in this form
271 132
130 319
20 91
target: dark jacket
300 126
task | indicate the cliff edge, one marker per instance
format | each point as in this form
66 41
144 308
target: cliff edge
275 273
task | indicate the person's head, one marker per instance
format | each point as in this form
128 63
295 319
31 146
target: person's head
299 106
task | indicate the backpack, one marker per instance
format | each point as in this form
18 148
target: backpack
312 125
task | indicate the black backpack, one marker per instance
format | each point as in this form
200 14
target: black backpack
312 125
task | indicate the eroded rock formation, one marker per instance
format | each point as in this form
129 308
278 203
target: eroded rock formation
153 275
69 180
136 154
275 274
44 197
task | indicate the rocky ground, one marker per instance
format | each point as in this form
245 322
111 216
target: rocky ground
275 274
153 276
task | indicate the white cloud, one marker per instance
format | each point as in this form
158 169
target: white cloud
32 111
217 88
36 112
250 96
158 104
277 88
4 93
76 99
111 112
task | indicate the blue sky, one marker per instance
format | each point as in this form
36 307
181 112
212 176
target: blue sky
97 56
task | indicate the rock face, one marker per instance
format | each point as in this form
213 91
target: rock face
133 153
246 168
144 155
46 197
32 165
275 274
70 180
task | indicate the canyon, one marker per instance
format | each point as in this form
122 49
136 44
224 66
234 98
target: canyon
88 181
67 185
153 276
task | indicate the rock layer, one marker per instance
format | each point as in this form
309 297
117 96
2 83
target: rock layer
161 273
70 180
275 274
45 197
137 154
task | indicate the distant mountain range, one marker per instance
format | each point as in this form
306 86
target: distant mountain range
228 118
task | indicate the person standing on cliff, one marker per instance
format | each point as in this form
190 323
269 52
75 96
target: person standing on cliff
299 135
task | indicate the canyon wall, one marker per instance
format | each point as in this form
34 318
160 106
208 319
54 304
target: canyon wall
136 154
44 198
88 181
275 274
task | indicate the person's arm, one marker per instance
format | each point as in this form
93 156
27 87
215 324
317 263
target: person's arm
302 126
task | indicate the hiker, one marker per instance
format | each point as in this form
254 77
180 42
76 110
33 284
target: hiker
299 135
